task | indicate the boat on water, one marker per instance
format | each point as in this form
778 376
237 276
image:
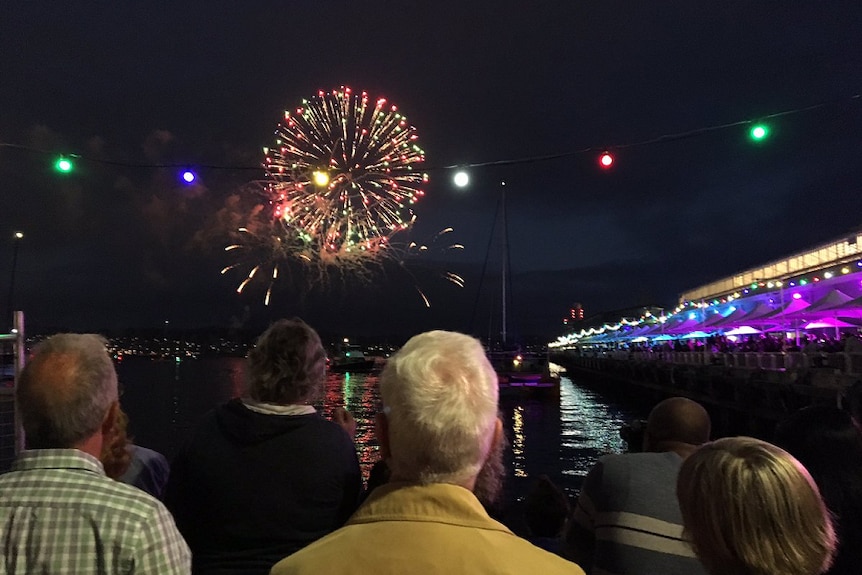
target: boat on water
518 370
521 372
351 359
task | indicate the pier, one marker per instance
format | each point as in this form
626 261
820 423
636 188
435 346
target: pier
752 347
746 393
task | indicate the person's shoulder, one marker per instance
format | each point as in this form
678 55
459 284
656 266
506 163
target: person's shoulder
206 423
326 426
508 554
624 464
117 491
149 457
638 458
315 557
115 497
537 560
617 461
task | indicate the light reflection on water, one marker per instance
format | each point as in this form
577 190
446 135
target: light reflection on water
589 428
560 437
359 394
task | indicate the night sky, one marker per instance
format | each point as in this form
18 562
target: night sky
112 245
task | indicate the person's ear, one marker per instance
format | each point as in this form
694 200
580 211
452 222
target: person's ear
499 434
381 430
110 421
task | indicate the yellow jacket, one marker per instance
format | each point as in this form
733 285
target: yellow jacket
408 528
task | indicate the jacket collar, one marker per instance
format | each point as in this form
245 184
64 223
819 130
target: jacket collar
434 503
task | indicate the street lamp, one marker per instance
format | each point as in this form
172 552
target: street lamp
17 236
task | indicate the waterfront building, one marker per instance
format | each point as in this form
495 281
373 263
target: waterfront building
818 290
837 257
753 346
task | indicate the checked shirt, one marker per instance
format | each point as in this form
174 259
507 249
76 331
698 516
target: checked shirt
60 514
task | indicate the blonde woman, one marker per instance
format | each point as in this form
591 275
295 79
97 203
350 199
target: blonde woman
750 508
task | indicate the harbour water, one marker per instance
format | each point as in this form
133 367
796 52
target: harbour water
559 437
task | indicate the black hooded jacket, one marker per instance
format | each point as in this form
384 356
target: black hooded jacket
248 488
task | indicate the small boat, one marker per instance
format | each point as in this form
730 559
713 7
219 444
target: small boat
524 373
351 359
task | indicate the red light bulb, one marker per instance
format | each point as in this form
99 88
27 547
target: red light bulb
606 160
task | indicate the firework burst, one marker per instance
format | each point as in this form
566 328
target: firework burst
343 174
342 180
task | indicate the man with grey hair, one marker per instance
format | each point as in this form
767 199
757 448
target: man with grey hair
627 519
439 433
59 513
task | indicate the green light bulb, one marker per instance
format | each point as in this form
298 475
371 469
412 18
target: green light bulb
63 165
758 132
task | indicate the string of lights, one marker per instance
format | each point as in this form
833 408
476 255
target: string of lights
759 130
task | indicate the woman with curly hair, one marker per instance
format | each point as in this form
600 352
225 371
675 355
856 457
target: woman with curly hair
132 464
264 475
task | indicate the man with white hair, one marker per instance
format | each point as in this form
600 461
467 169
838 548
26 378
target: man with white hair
440 435
59 512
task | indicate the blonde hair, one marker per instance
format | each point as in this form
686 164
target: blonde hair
750 508
440 399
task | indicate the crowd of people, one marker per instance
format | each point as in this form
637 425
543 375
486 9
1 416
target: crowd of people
770 342
265 484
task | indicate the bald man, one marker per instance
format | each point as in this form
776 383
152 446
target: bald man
627 518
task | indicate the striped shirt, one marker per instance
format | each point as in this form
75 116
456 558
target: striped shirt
60 514
627 519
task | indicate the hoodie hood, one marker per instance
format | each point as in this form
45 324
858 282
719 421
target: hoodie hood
246 427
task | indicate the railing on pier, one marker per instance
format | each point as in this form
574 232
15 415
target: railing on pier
749 390
13 354
846 363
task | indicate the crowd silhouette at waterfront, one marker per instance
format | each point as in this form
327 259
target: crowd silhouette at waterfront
761 343
265 484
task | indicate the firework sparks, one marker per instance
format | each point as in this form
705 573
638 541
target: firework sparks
343 174
413 250
342 180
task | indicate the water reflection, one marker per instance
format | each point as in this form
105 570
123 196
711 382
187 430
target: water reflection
590 427
518 456
359 394
560 437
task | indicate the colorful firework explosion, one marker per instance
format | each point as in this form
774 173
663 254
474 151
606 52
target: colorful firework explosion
343 173
342 179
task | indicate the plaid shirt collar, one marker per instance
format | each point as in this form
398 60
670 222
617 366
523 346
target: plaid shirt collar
57 459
